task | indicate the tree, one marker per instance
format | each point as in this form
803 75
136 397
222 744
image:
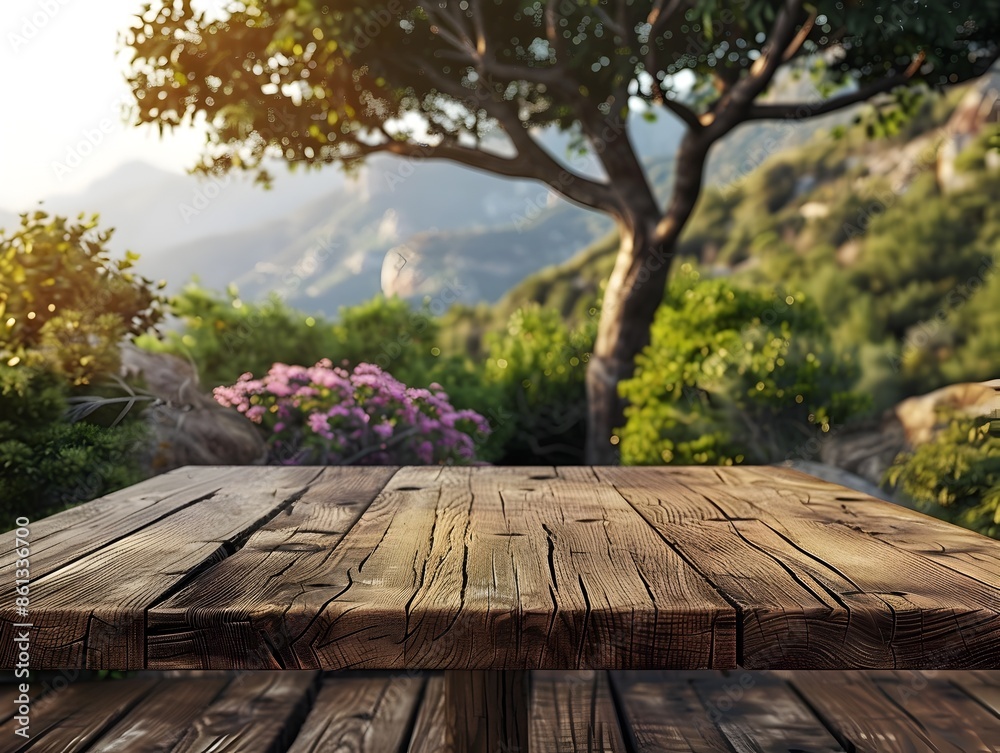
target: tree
314 82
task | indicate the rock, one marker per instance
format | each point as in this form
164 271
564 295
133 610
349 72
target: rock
921 417
979 107
867 449
188 426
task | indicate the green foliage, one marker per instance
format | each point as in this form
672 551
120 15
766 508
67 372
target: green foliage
974 157
324 83
734 375
391 334
225 336
48 463
956 475
539 364
65 304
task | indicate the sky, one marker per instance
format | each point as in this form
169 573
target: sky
61 92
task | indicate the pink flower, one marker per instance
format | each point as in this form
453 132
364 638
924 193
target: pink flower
325 414
425 451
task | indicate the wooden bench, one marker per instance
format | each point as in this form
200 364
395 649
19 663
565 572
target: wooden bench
642 712
492 572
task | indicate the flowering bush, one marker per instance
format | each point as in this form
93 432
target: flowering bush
329 416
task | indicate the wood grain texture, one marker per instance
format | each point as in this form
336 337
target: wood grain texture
245 612
760 714
71 719
573 712
814 591
160 720
492 568
662 712
860 713
70 535
644 712
507 568
987 695
486 711
92 612
258 712
957 548
430 732
360 715
878 714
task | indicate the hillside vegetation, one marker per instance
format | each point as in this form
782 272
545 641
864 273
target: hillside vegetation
895 239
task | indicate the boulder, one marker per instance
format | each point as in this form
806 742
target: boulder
922 416
867 449
188 426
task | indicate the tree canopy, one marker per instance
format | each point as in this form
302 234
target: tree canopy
314 82
319 82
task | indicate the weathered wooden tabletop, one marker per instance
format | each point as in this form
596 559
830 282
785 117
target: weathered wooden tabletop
502 568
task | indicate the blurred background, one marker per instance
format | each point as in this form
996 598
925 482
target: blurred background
834 305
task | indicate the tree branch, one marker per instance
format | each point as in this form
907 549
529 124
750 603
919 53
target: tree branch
806 110
795 45
682 111
730 108
576 188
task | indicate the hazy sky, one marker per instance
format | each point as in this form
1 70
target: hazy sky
61 89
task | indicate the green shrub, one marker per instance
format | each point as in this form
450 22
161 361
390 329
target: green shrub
224 336
539 364
48 463
956 475
65 305
733 375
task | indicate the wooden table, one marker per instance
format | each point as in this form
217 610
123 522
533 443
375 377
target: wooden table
492 571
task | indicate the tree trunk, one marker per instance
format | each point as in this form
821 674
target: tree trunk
633 294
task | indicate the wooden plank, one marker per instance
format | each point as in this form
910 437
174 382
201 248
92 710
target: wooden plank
430 733
945 711
987 696
793 611
159 721
258 712
902 609
448 569
69 720
573 712
487 710
70 535
661 713
92 612
360 715
9 693
764 715
243 612
957 548
859 713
